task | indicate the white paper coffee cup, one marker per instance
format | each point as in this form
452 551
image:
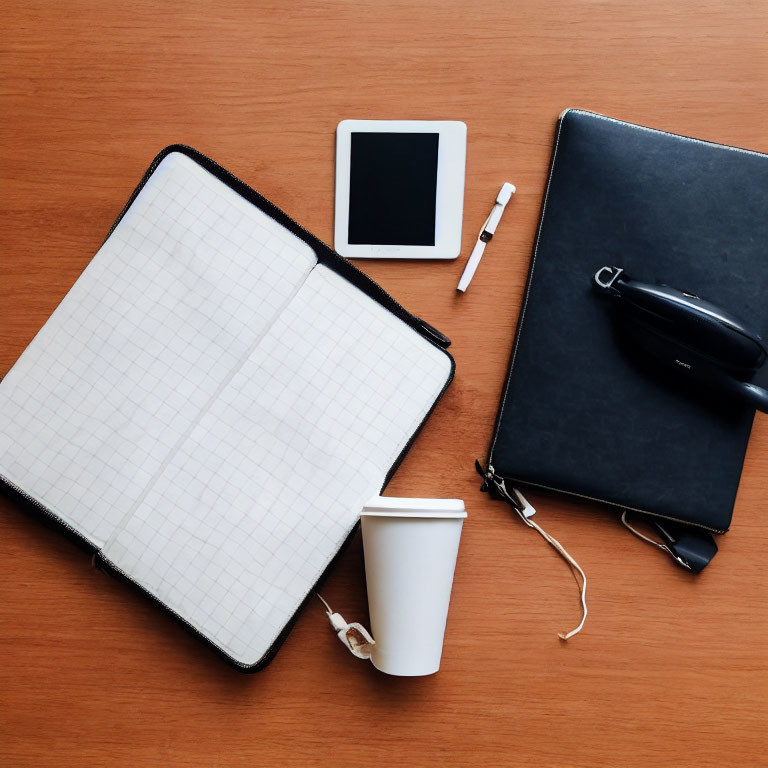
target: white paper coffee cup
410 556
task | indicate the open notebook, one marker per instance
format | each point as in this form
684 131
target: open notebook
213 402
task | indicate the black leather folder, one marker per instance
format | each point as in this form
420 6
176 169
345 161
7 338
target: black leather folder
578 414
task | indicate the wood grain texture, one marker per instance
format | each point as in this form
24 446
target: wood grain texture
671 670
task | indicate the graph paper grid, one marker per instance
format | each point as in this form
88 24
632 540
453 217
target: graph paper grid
190 279
266 488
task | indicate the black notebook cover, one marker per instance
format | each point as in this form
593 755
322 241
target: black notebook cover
577 414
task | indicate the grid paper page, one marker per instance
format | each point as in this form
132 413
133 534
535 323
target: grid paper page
172 303
259 498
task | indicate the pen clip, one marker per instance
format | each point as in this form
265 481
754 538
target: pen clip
486 233
485 236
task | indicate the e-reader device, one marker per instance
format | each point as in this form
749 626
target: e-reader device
399 188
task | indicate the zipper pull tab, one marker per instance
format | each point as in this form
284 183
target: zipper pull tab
480 471
437 336
489 477
492 482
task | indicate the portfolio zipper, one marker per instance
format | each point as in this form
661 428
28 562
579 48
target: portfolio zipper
622 507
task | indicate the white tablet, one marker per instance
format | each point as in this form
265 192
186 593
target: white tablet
399 188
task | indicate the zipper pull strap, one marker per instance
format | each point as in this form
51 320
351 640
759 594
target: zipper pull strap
437 336
525 512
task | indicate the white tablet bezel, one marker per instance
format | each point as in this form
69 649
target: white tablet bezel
449 203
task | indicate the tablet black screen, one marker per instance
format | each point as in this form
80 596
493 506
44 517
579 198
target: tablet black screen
393 188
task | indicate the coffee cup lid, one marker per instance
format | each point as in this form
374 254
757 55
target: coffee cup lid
390 506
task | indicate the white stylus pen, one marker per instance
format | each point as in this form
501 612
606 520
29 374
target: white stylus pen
486 233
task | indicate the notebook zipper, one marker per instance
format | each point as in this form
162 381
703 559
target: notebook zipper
40 507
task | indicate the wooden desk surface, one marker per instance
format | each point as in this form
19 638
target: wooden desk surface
671 670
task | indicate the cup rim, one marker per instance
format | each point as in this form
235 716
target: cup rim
391 506
414 515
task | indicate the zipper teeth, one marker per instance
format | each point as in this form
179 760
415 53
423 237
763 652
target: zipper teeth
48 513
109 564
611 503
